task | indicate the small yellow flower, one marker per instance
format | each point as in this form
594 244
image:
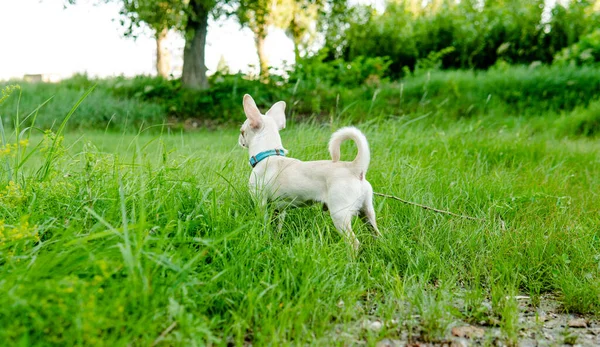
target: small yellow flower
5 93
24 143
24 231
12 187
6 150
52 140
103 265
12 194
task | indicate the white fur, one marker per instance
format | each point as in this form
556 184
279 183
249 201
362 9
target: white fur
340 185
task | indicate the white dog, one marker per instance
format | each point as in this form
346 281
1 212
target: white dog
340 186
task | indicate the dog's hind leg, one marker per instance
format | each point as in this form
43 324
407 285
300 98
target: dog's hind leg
344 203
343 223
369 211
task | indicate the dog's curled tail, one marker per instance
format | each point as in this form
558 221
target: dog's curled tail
351 133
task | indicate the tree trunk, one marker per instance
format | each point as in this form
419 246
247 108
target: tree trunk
263 60
163 58
296 50
194 68
296 35
296 38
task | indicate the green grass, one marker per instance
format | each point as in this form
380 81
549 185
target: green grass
500 93
115 239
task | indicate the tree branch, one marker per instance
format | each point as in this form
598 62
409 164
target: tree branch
430 208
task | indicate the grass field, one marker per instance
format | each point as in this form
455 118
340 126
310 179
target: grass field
134 239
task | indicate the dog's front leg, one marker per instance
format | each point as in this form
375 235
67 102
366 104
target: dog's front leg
258 192
260 201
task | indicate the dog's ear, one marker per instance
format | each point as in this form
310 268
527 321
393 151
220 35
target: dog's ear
252 112
277 112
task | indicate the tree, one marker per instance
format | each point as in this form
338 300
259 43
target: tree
333 21
187 16
298 19
160 16
257 15
196 27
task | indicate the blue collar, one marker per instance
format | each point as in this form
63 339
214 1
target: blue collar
254 160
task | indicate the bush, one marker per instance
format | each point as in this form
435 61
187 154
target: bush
480 32
586 51
338 72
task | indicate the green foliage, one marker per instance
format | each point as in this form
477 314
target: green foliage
390 35
256 14
340 73
297 18
570 22
481 33
585 51
433 61
333 22
220 103
157 14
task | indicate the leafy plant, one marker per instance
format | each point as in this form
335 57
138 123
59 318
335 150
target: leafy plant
585 51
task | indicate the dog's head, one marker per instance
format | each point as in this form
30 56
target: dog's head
258 126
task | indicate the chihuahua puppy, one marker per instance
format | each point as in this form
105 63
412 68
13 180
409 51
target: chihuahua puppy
340 186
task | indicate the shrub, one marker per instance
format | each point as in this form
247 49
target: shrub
339 72
586 51
481 32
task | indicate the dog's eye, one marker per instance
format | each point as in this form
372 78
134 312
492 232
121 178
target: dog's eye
242 132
